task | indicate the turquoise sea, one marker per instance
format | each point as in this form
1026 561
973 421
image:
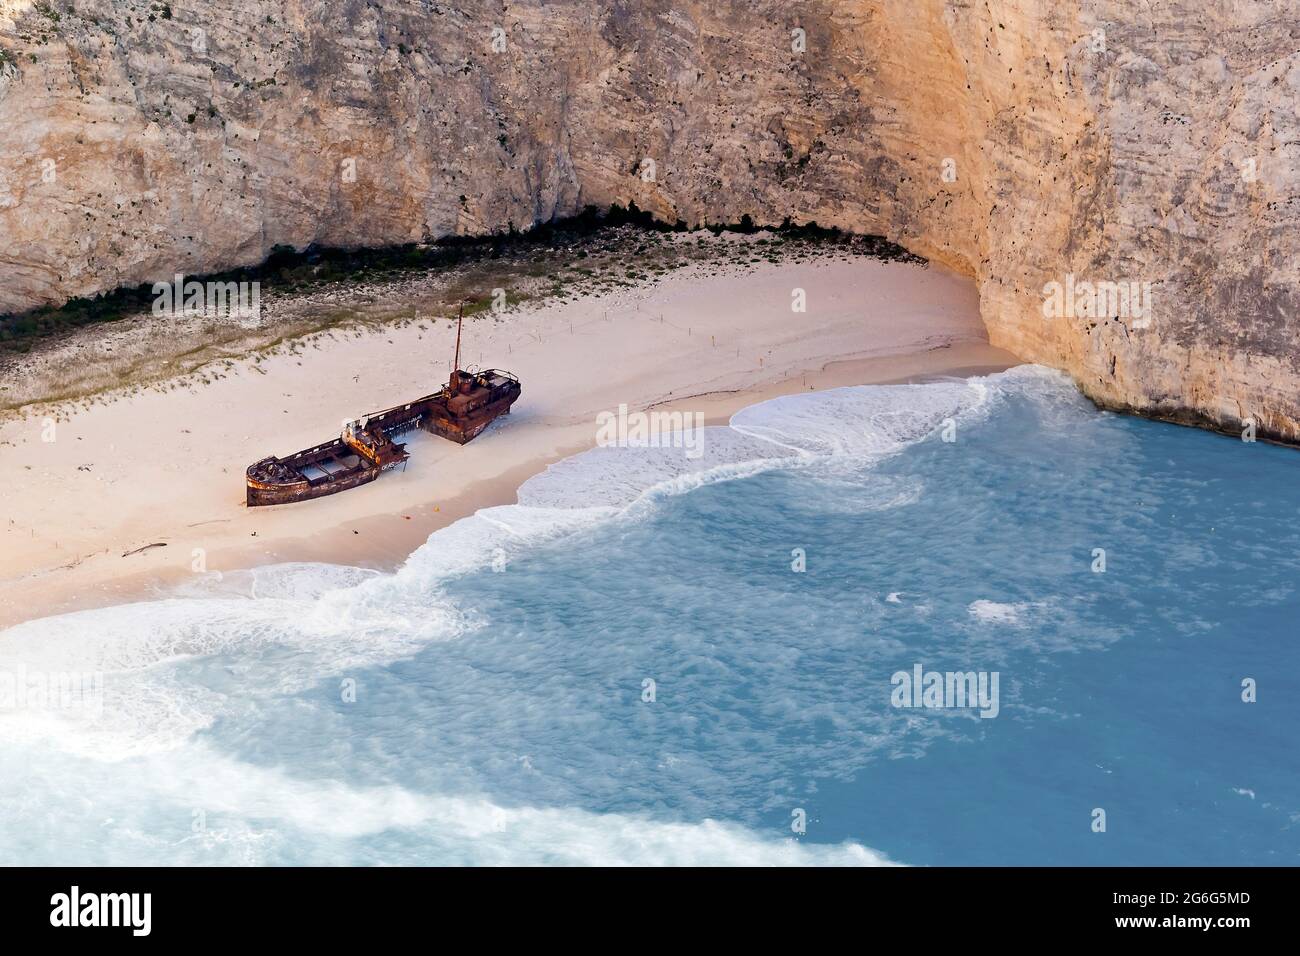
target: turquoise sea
628 666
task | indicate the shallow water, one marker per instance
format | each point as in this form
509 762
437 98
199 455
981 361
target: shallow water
492 701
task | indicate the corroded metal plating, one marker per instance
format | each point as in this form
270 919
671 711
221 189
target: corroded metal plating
366 449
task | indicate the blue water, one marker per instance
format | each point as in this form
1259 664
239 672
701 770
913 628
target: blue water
500 712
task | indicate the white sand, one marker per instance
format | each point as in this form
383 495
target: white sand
169 468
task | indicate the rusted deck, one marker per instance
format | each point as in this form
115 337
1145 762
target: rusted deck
459 412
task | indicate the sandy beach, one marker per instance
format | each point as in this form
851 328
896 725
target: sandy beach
123 500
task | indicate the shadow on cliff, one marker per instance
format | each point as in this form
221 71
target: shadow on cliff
287 269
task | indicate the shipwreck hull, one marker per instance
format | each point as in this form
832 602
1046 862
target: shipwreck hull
366 450
314 473
462 430
259 493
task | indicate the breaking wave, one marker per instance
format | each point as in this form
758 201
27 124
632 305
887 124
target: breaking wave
179 672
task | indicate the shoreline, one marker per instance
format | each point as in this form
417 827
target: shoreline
900 322
383 542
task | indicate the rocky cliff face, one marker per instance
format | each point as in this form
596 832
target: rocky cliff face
1145 158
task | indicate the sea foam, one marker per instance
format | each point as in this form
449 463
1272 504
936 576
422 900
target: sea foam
291 627
338 618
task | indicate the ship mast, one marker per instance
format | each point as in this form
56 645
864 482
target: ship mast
460 318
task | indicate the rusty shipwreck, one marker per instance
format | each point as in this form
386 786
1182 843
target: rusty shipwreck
466 405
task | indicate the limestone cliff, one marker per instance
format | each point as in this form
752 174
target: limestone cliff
1024 142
